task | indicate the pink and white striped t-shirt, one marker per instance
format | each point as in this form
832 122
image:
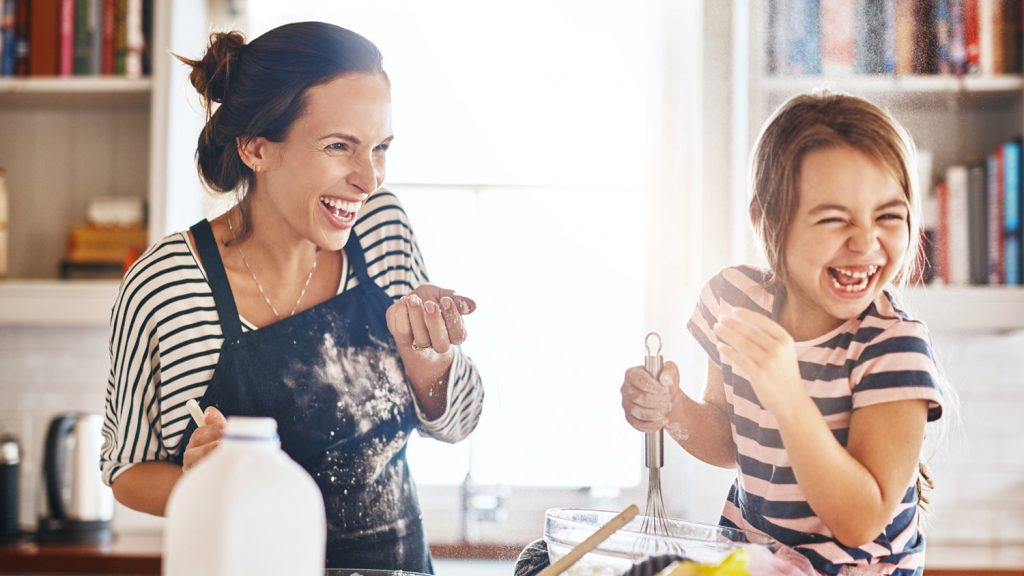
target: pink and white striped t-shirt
880 356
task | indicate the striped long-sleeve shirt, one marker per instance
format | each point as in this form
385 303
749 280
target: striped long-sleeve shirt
165 340
880 356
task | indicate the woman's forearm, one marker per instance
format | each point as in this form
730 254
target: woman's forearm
147 486
428 378
702 429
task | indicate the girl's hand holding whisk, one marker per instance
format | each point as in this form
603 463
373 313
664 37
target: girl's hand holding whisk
761 350
648 401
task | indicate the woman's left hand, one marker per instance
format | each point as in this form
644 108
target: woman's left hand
430 318
761 350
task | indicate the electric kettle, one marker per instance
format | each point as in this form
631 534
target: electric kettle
75 505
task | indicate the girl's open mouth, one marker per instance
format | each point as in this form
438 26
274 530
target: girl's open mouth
852 280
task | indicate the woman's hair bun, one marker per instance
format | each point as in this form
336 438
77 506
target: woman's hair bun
211 76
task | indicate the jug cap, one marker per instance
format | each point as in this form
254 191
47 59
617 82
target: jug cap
250 428
10 452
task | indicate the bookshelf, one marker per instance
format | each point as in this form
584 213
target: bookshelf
956 118
66 139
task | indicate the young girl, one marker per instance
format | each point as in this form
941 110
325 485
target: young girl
819 384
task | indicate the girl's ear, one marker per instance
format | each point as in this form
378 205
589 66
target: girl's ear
254 152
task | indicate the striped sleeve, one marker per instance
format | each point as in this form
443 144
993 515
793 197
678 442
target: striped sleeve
705 315
394 262
131 430
897 365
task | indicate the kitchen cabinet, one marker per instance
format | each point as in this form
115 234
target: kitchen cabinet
956 118
67 139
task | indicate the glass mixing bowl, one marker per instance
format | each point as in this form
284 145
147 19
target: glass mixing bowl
367 572
564 528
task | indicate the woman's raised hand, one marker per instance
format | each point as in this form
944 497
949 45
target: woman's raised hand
205 439
430 318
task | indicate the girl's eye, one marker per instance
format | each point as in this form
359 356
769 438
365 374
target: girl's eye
891 216
829 220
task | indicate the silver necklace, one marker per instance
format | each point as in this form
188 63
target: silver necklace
260 286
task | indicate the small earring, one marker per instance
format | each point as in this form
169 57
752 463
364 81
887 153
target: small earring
256 168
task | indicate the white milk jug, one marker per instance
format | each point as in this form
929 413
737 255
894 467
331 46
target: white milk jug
246 509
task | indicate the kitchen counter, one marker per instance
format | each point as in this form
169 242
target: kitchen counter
139 554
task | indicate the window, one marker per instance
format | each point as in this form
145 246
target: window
533 155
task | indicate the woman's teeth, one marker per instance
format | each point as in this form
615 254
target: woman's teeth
852 280
342 208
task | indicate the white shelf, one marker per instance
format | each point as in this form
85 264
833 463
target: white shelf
85 90
968 308
75 84
912 91
924 84
56 302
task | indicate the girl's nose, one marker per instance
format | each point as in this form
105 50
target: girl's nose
863 240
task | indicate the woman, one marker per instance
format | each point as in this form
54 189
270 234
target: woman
306 301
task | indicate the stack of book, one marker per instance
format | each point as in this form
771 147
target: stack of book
75 37
975 221
111 240
846 37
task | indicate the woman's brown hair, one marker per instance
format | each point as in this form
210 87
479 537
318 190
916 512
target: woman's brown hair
258 90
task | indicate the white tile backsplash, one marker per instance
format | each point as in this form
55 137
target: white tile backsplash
980 472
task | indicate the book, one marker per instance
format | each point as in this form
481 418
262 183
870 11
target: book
837 23
44 34
1012 212
67 37
905 30
957 226
21 37
994 181
972 47
8 37
871 37
977 224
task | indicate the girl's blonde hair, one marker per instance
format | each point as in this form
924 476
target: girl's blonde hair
819 121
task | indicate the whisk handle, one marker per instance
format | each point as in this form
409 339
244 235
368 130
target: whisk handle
654 450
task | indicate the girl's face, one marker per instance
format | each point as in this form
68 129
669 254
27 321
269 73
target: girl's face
332 158
846 242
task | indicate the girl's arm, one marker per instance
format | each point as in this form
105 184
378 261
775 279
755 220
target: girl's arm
701 428
855 490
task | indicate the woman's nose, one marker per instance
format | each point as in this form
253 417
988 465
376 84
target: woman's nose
367 175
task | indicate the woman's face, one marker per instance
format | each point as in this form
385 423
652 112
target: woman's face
332 158
847 240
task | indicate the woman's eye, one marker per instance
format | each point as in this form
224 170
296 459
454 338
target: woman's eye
383 147
336 147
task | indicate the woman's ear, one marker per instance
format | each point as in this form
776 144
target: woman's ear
254 152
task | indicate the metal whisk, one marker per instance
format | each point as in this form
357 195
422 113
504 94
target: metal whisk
655 522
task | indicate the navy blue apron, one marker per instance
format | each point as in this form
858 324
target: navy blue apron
333 380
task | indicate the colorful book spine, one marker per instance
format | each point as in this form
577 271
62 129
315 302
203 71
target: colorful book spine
977 224
21 38
972 46
837 18
958 226
67 37
1012 211
10 41
994 181
44 38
